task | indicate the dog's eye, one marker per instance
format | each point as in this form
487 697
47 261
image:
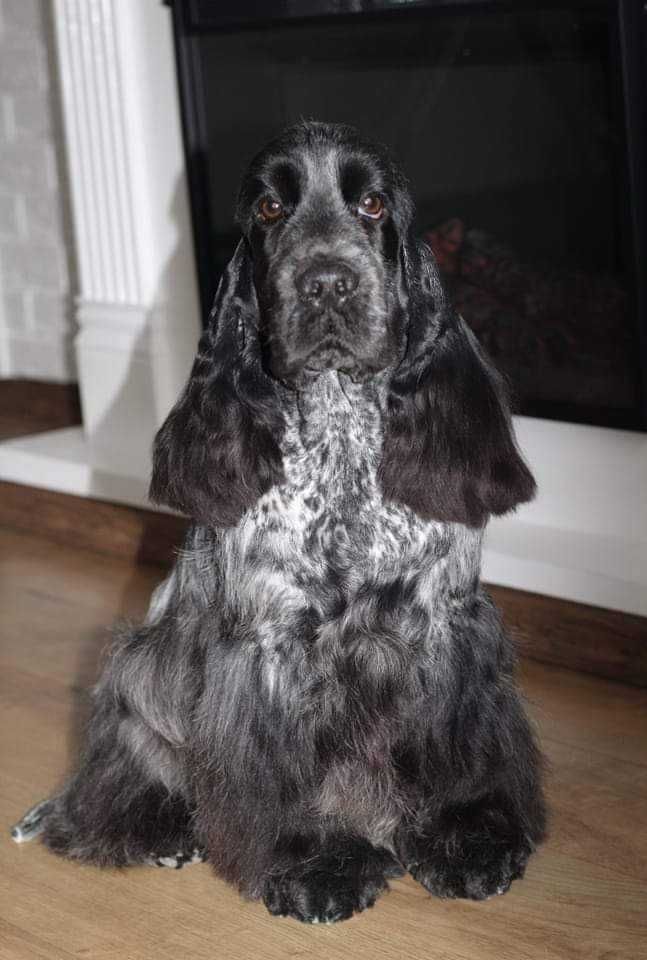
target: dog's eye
371 206
270 210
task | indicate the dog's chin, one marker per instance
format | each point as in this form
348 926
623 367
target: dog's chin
357 370
334 358
299 373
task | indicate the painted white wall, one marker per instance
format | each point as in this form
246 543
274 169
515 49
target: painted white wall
36 249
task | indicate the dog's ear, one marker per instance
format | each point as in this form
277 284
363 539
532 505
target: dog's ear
449 451
218 450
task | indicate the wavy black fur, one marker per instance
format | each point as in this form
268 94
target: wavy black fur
449 451
218 450
322 694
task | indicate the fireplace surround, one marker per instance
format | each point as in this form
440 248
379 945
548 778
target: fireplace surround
137 309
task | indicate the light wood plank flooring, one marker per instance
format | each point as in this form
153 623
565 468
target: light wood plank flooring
584 896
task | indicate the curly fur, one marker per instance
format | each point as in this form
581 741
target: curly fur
322 695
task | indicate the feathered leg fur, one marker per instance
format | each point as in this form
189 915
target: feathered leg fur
128 803
480 811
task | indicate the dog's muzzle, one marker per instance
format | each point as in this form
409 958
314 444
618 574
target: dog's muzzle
327 289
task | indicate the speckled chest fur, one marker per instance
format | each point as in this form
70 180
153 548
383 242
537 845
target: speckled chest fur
324 547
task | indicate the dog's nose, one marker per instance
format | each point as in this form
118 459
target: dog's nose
328 282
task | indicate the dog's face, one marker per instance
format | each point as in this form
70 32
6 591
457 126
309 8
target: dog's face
325 214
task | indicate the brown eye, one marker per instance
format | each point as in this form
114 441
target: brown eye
270 210
372 207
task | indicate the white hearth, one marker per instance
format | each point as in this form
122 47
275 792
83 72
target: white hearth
584 538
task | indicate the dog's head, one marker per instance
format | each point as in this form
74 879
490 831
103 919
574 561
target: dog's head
328 276
324 214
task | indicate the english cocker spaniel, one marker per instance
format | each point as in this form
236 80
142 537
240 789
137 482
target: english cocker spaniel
321 696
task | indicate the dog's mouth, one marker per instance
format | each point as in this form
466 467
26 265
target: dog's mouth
331 356
340 358
354 346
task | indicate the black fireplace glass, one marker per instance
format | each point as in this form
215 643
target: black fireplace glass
509 125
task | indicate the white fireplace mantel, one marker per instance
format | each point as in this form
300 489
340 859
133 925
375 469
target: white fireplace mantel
137 306
584 538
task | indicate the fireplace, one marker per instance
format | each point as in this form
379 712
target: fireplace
521 129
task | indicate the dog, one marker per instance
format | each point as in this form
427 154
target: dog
321 697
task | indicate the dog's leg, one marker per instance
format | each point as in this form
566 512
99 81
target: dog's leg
118 809
323 882
478 840
128 801
479 811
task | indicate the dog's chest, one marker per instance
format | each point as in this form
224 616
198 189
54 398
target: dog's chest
322 560
329 512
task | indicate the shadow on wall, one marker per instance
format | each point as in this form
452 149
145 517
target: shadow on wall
133 362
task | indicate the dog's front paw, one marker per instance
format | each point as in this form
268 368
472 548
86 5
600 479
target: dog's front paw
474 874
472 857
330 886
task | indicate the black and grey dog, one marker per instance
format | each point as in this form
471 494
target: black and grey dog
321 696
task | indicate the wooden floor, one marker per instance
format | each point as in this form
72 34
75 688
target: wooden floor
584 896
31 406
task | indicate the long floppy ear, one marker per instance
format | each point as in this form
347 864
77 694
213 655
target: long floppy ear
218 450
449 451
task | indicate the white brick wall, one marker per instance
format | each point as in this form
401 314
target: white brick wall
36 249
